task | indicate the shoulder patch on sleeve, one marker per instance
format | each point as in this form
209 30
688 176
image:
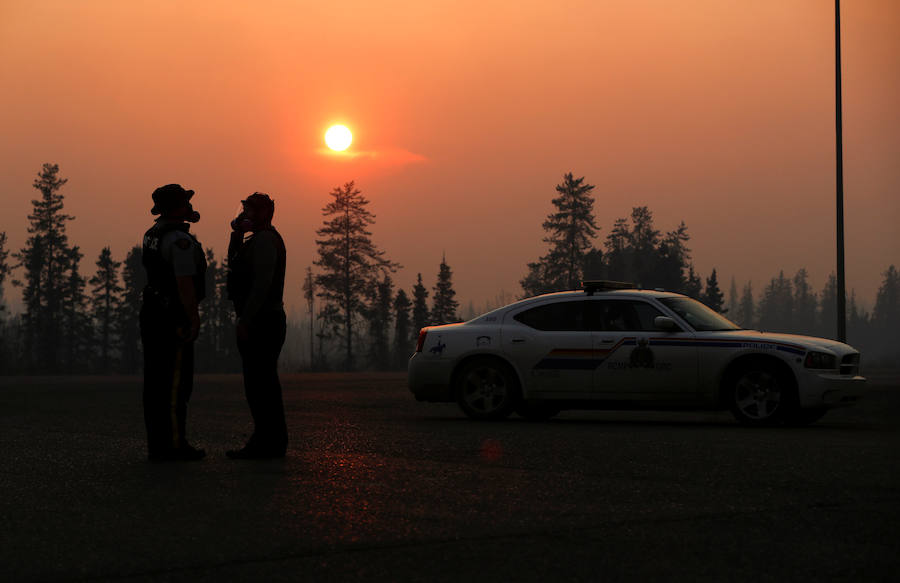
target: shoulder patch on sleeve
183 244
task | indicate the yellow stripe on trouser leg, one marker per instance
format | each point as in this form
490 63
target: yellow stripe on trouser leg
176 384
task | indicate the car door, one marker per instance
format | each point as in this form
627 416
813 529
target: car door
636 359
553 348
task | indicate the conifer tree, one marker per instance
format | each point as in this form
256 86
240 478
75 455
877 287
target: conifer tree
46 259
733 300
444 304
420 312
776 308
713 296
309 294
886 315
4 271
804 320
5 344
128 325
828 308
693 285
402 332
379 318
78 330
105 300
746 315
570 231
349 260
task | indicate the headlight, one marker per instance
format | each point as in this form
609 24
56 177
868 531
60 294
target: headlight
820 360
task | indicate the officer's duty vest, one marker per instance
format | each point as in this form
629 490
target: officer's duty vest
161 283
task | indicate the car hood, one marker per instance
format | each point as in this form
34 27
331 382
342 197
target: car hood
808 342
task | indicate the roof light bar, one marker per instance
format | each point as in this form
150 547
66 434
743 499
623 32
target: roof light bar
596 285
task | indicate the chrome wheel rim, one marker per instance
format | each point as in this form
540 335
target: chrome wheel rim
485 389
757 395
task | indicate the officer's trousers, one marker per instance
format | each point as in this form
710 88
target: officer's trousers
168 379
259 355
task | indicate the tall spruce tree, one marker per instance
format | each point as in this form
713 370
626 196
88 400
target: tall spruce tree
402 331
105 301
5 344
46 259
4 271
693 285
672 256
733 299
128 325
379 316
309 294
746 314
420 312
444 303
78 338
570 231
805 301
776 308
713 296
886 315
828 308
349 260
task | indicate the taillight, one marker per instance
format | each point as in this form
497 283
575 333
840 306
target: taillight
421 341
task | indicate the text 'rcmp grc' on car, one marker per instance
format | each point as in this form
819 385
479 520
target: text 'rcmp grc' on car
612 347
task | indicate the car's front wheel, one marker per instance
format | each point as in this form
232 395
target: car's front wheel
487 389
759 394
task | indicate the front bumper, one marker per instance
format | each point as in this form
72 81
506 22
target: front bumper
832 390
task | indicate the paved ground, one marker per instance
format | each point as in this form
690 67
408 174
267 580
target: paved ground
379 487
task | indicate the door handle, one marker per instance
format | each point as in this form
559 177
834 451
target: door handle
518 340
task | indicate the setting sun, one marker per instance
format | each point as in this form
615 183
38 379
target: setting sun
338 138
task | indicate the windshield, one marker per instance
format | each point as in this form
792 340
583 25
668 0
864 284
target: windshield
700 317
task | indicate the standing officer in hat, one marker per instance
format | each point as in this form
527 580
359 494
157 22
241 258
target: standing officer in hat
170 322
256 266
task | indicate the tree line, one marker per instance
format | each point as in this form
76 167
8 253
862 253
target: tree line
72 323
355 317
636 251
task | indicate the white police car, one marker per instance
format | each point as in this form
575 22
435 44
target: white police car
608 347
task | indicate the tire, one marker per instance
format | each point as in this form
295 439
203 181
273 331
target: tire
536 410
760 395
802 417
487 389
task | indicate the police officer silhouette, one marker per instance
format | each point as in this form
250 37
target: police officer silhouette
256 266
170 322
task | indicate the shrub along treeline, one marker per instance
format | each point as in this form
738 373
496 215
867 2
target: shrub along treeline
354 317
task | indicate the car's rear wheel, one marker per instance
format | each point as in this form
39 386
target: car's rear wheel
487 389
759 394
536 410
806 416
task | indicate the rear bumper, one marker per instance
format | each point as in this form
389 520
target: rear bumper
429 379
832 390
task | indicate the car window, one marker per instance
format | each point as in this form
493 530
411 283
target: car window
698 315
558 316
622 316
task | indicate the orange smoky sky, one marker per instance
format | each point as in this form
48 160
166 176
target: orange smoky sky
465 116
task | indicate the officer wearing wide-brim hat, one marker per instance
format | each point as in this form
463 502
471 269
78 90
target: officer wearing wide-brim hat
170 322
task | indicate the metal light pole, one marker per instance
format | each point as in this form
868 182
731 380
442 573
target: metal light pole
841 289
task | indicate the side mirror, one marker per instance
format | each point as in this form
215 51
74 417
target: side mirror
666 323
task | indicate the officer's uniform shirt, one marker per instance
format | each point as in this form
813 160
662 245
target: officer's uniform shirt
179 250
260 260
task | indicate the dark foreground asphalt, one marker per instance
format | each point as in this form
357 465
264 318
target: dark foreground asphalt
377 487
